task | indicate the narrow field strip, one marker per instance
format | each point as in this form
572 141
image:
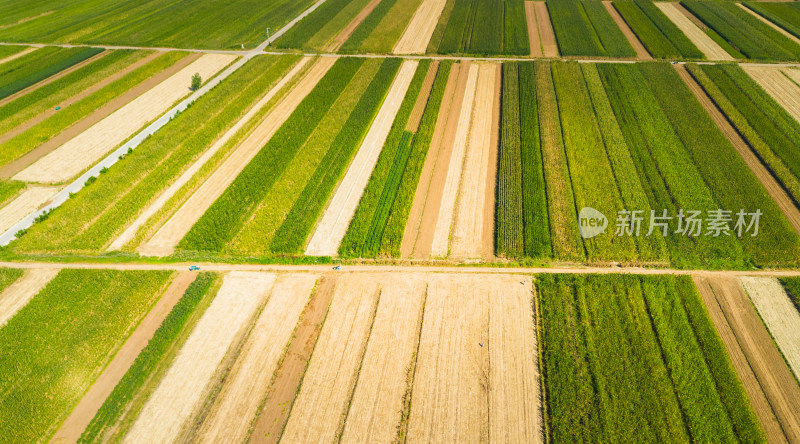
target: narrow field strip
376 409
772 25
419 30
771 185
348 30
641 52
274 413
320 409
468 224
514 393
450 399
703 42
80 417
82 151
779 314
22 53
167 238
778 85
545 27
181 391
755 393
18 294
245 387
779 385
431 183
31 199
130 232
533 32
333 225
444 221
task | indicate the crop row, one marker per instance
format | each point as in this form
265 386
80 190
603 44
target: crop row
657 32
232 209
792 287
319 27
88 314
482 27
585 28
747 34
91 219
363 38
682 388
785 15
56 123
23 72
153 358
765 125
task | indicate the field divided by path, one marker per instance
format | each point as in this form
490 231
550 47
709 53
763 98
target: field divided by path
706 44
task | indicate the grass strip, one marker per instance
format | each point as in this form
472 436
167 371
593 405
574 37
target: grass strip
509 237
39 65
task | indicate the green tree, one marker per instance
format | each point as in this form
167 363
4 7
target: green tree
196 81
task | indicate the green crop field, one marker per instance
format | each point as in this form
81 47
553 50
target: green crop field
317 30
785 15
792 286
382 28
584 28
629 358
481 27
8 276
659 35
38 65
57 345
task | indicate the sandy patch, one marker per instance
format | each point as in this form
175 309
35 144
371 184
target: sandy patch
780 315
450 398
82 151
275 412
187 175
18 294
237 404
546 33
774 376
164 241
348 30
773 188
333 226
318 413
468 226
444 221
641 52
168 409
376 409
72 428
533 31
22 53
418 33
30 200
778 85
700 39
427 177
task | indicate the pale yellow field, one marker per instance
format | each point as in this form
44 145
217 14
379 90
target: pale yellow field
418 33
18 294
778 85
703 42
30 200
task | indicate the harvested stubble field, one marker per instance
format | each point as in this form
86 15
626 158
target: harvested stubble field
698 36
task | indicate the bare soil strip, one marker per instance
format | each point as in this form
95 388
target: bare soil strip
376 409
318 413
774 189
82 151
76 98
779 314
533 31
415 117
18 294
281 395
54 77
468 224
779 86
514 400
444 221
164 241
704 43
772 25
779 385
96 116
186 176
419 30
31 199
333 225
185 385
487 238
751 385
450 398
546 33
427 177
348 30
641 52
24 52
72 428
241 396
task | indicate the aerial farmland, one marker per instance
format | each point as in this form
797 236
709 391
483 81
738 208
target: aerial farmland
399 221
